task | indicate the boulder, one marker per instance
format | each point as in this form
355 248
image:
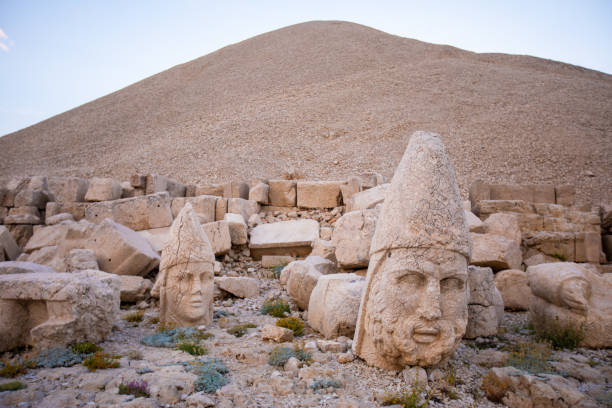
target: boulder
239 286
474 223
246 208
283 193
301 280
514 289
218 234
8 247
276 334
238 229
505 225
495 251
122 251
68 189
103 189
367 199
260 193
81 259
48 309
334 304
352 237
11 267
323 265
23 215
204 206
318 194
485 304
293 238
137 213
134 288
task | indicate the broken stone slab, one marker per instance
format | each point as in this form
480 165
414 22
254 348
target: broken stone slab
514 289
122 251
485 304
323 265
271 261
352 237
293 238
48 236
495 251
334 304
77 210
283 193
505 225
23 215
68 189
239 286
204 206
235 189
157 237
218 234
260 193
156 183
246 208
137 213
21 233
367 199
350 187
32 192
238 229
56 219
11 267
79 259
49 309
8 246
474 223
301 279
318 194
103 189
134 288
324 249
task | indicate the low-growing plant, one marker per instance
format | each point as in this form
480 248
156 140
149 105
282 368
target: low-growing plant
134 354
170 338
280 355
560 257
240 330
451 376
407 399
100 361
531 357
275 307
12 369
135 388
495 387
192 348
325 383
154 320
85 347
134 317
58 357
277 270
211 374
561 336
295 324
12 386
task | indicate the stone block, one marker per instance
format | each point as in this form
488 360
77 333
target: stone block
260 193
495 251
8 246
485 304
3 213
565 195
156 183
283 193
204 206
367 199
221 209
212 189
323 265
68 189
77 210
474 223
334 304
246 208
238 229
588 247
52 235
23 215
138 181
511 192
56 219
122 251
371 180
21 233
239 286
293 238
350 187
479 190
318 194
218 234
485 208
513 286
352 236
561 245
137 213
134 288
33 192
542 193
550 210
235 189
127 191
505 225
301 280
157 237
48 309
324 249
81 260
276 334
103 189
11 267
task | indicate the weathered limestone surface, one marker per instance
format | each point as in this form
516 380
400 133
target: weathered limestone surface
218 234
276 334
495 251
157 237
56 219
29 192
293 238
485 305
414 305
158 184
270 261
371 180
23 215
283 193
81 259
68 189
204 206
324 249
48 309
235 189
567 294
323 265
21 233
185 284
367 198
221 209
213 189
334 304
505 225
11 267
8 247
103 189
246 208
318 194
122 251
137 213
134 288
474 223
238 229
350 187
301 279
352 236
77 210
514 289
240 286
260 193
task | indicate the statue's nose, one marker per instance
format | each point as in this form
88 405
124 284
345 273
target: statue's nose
430 301
197 286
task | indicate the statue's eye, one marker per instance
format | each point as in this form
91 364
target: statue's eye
412 279
451 284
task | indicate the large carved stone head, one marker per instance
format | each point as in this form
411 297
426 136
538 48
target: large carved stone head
414 307
185 283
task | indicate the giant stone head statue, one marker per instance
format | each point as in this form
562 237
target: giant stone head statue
414 307
185 282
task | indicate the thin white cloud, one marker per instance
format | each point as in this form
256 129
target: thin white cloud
4 37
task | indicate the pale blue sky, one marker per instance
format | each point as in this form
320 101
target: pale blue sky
55 55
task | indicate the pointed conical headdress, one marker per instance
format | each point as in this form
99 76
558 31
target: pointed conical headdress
423 207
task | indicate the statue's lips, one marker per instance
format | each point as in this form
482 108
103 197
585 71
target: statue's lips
197 302
425 334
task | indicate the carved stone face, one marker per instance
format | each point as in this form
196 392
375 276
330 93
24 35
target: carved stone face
418 308
189 294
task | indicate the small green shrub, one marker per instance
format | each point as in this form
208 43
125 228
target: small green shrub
154 320
275 307
560 257
85 348
277 270
170 338
530 357
240 330
295 324
100 361
280 355
134 317
14 369
407 399
325 383
211 374
58 357
561 336
12 386
192 348
135 388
